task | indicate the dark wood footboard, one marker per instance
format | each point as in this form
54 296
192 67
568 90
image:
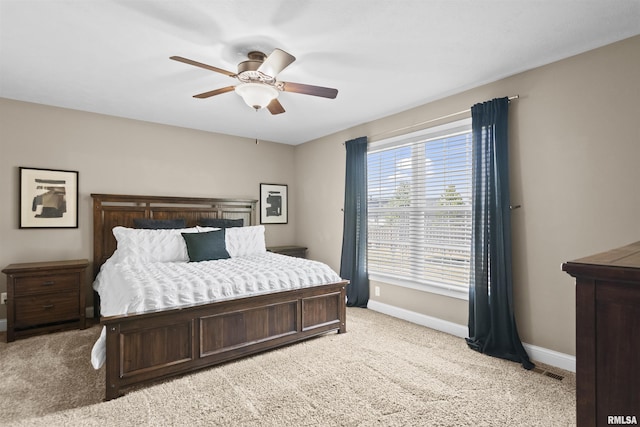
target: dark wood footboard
147 347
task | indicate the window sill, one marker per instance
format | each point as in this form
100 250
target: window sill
449 291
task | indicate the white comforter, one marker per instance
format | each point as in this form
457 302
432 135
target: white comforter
138 287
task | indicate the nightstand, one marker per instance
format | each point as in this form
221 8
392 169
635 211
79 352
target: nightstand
45 297
295 251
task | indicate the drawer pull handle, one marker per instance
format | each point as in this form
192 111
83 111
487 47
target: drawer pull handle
48 283
48 306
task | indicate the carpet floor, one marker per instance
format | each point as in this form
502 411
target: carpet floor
382 372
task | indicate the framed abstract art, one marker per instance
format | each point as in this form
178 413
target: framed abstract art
48 198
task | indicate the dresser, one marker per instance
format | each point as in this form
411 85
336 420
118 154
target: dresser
45 296
607 336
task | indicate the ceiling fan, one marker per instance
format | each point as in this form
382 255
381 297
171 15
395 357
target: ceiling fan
258 85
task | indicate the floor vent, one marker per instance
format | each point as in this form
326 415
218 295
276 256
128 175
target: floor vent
548 374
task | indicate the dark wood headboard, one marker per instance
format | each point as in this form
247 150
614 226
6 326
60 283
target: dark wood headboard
111 210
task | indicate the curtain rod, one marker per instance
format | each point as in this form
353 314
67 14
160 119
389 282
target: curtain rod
431 120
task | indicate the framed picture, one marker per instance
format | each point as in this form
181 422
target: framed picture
48 198
273 204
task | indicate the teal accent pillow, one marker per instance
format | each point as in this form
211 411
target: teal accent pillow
206 246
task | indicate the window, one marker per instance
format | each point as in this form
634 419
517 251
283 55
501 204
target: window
419 207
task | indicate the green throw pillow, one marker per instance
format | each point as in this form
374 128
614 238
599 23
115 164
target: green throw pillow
206 246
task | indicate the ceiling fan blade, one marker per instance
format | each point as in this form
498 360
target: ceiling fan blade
214 92
201 65
325 92
276 62
275 107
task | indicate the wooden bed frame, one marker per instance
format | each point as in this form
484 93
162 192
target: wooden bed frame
146 347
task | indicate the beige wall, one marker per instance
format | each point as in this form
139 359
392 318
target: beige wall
575 145
574 153
114 155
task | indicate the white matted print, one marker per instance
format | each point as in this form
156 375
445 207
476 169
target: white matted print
48 198
273 204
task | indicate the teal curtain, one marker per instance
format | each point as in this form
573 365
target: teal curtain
492 325
353 264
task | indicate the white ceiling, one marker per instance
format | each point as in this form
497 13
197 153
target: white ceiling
384 56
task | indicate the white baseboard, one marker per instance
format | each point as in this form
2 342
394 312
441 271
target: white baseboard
539 354
551 357
421 319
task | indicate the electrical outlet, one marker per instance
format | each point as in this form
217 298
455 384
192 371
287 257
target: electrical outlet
3 298
376 291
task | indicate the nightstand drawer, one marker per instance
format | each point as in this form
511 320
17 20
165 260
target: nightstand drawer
41 309
45 297
294 251
46 283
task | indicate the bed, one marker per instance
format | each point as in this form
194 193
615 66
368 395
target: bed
143 347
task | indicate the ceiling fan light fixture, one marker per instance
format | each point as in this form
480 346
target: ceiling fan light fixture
258 86
256 95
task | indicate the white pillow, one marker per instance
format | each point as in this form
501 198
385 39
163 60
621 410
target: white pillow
164 245
243 241
206 229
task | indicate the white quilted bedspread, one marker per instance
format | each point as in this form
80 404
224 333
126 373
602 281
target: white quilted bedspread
138 287
126 288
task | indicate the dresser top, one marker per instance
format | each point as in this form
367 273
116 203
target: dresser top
46 265
619 263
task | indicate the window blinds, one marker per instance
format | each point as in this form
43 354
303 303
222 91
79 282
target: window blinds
419 208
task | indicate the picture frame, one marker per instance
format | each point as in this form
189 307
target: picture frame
274 204
48 198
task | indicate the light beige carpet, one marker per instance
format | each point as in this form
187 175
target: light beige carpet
382 372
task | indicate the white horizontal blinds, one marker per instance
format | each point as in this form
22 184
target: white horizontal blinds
419 208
